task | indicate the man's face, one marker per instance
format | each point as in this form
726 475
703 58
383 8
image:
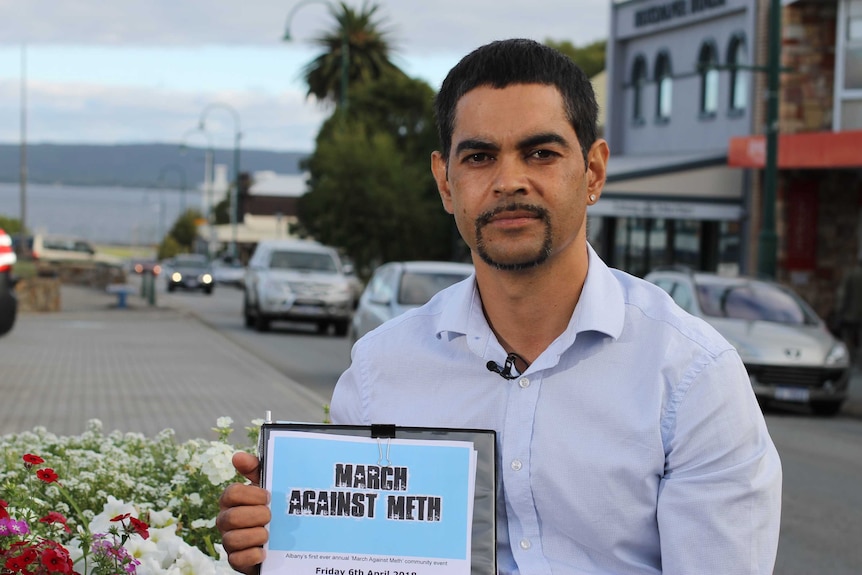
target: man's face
516 180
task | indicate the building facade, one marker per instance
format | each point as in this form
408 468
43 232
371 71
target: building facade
686 116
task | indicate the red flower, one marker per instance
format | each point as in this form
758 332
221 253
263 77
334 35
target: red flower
54 517
121 517
3 513
31 459
140 527
28 556
15 564
47 475
56 560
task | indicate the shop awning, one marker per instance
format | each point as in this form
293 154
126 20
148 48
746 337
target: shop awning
811 150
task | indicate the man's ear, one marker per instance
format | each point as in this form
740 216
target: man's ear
440 171
597 167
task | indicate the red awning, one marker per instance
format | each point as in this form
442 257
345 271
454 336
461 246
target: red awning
806 150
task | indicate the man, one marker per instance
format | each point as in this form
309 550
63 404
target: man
850 309
628 435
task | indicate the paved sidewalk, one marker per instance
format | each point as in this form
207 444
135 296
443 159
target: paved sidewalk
139 369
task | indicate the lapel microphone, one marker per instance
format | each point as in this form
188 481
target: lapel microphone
505 371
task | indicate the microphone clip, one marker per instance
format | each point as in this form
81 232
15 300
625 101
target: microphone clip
505 371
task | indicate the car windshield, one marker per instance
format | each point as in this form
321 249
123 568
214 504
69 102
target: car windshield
306 261
753 301
190 263
418 288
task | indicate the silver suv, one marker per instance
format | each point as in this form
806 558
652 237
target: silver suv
296 280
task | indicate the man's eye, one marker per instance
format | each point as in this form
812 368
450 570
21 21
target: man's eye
543 154
477 158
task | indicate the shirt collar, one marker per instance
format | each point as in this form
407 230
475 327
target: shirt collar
600 308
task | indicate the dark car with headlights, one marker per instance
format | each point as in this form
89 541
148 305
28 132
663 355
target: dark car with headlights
191 272
788 351
8 301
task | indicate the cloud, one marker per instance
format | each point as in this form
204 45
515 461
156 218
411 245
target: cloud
92 113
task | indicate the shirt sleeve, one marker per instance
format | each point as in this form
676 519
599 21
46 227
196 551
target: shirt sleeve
719 503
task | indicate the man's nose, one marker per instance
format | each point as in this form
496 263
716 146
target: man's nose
510 176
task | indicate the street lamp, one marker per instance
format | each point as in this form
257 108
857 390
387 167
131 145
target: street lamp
182 174
209 203
234 203
345 46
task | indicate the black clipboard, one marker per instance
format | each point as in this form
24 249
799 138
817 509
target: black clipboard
484 527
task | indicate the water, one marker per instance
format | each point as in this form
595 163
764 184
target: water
107 215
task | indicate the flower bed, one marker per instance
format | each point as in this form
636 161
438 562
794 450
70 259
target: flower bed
101 504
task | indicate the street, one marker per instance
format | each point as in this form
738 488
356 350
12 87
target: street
822 457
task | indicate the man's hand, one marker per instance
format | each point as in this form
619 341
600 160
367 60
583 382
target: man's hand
243 515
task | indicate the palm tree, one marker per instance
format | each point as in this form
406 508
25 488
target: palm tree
368 52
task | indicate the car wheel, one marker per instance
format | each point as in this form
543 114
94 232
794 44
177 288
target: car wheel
171 287
208 290
261 322
246 312
341 328
826 408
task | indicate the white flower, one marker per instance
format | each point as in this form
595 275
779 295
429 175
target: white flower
224 422
161 518
205 523
195 499
216 464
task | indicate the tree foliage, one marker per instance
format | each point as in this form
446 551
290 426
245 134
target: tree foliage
368 52
591 58
185 229
10 225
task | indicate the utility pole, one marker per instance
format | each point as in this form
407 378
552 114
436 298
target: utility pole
23 250
768 240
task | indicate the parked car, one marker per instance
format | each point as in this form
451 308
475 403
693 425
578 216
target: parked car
190 272
146 266
396 287
228 271
789 353
297 280
54 249
8 300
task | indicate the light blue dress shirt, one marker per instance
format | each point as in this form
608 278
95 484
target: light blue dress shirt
633 444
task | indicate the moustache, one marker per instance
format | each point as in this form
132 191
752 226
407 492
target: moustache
486 217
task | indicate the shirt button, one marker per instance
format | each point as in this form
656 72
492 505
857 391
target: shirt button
525 544
524 382
516 464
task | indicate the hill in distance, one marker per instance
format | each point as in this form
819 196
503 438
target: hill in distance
131 165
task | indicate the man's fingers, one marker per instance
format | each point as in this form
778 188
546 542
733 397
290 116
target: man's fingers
247 561
247 465
237 494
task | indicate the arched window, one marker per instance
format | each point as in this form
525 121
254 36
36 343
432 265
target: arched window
737 60
664 86
707 65
638 82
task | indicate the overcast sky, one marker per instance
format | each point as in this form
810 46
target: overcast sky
123 71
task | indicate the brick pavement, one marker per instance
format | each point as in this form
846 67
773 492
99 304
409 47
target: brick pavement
140 369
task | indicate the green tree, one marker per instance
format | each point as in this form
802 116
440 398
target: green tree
11 226
591 58
368 200
168 248
185 229
368 52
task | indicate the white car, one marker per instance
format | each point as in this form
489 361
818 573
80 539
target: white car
396 287
300 281
787 350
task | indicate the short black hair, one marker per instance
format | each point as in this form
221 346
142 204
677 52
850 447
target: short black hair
519 61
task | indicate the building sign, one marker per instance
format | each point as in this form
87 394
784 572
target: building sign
673 10
801 225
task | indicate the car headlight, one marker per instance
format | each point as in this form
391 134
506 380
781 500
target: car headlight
207 279
341 291
176 277
838 355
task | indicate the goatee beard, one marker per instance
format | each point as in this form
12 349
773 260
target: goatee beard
544 252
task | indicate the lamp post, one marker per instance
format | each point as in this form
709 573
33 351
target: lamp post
182 174
209 204
234 202
768 239
345 46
